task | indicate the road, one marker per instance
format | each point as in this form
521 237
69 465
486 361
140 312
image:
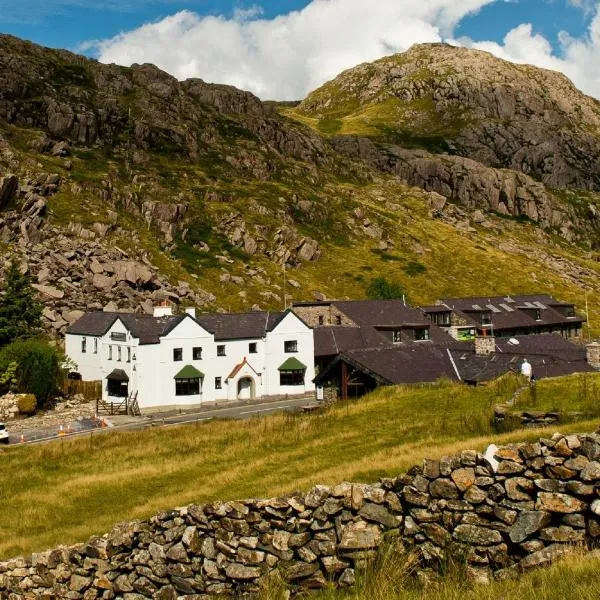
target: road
127 423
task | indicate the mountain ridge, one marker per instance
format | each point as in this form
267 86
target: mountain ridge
206 193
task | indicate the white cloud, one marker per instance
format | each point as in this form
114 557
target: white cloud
579 58
289 55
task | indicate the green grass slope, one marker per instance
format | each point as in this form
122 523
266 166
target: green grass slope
66 491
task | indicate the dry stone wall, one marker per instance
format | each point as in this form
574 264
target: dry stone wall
514 508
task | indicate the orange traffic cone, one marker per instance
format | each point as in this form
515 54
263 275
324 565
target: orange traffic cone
61 431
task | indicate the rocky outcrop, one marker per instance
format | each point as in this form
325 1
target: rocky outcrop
512 509
476 105
80 102
474 186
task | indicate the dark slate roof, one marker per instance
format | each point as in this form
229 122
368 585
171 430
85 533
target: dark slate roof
333 340
514 316
410 362
380 312
550 355
483 368
229 326
147 328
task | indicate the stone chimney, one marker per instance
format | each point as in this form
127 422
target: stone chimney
592 352
190 310
164 310
485 345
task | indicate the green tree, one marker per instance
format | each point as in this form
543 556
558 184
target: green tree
38 368
381 288
20 312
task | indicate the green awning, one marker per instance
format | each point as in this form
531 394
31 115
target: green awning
189 372
292 364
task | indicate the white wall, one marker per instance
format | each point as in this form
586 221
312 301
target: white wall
89 364
290 328
152 368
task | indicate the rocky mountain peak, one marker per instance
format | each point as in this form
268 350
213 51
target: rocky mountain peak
468 102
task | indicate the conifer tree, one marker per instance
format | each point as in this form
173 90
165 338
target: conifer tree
20 312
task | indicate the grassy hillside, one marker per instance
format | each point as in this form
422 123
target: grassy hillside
64 492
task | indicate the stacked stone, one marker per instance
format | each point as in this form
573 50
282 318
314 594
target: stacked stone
521 509
516 508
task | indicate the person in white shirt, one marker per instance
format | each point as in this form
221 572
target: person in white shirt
526 369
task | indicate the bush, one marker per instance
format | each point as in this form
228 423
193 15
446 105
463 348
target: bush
381 288
38 368
27 404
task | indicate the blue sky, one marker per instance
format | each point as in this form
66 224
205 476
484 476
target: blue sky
216 40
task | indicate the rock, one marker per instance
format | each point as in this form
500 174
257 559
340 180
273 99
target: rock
379 514
560 503
519 488
8 190
437 534
479 536
238 571
49 291
463 478
545 556
359 536
591 471
527 523
443 488
562 534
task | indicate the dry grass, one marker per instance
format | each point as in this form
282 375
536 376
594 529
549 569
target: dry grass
66 491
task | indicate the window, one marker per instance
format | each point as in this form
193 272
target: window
570 311
396 336
252 347
321 320
221 350
177 354
338 320
187 387
422 333
538 315
128 354
290 346
442 318
291 377
486 319
218 383
118 337
197 353
110 353
83 345
118 353
95 345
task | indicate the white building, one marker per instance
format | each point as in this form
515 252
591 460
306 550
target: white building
171 361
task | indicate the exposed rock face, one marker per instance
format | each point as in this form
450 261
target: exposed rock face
456 505
474 185
475 105
85 102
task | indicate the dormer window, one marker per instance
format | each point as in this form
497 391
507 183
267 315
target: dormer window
422 333
538 315
569 311
396 336
486 319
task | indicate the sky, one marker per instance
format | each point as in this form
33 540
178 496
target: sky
284 49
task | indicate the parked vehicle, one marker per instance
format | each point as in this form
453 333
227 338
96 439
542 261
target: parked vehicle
3 434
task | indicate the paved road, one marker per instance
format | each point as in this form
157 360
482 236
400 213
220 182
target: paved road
124 423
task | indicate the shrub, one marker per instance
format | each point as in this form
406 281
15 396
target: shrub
38 367
381 288
27 404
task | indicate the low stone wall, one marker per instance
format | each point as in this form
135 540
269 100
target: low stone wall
517 507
